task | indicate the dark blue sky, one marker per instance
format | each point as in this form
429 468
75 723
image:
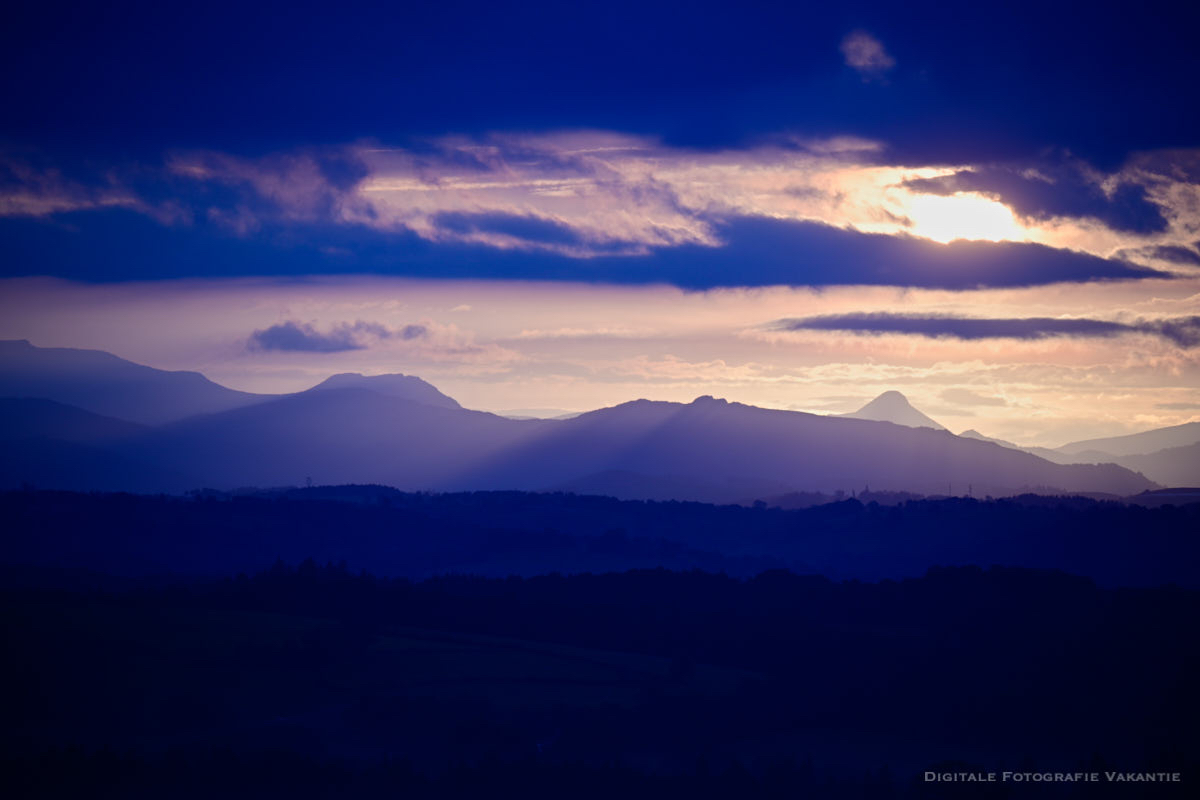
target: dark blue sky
972 79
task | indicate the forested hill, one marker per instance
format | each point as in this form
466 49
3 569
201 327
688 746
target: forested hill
501 533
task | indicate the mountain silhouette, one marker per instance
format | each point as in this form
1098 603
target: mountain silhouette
400 431
717 442
894 407
1138 443
105 384
974 434
330 436
1169 465
707 450
48 444
405 387
1043 452
34 417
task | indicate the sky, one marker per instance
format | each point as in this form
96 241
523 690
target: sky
550 208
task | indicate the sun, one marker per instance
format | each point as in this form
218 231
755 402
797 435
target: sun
962 216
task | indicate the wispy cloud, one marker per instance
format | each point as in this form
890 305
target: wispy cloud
1174 254
601 332
969 397
1182 331
28 189
426 342
866 54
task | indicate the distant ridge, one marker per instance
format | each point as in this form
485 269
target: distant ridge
891 406
1042 452
1171 464
48 444
1136 444
35 418
108 385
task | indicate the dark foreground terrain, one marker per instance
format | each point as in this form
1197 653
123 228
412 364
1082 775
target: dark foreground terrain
133 675
497 534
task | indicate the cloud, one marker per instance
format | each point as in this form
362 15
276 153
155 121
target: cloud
754 251
1178 406
595 194
410 332
528 205
302 186
761 252
966 397
1174 253
303 337
1067 189
426 342
525 232
865 53
602 332
1182 331
38 190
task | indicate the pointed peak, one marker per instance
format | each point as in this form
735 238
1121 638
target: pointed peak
892 406
889 399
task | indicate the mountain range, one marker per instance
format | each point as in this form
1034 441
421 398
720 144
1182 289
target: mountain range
1170 456
111 386
143 429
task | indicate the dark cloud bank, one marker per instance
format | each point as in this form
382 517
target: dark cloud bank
303 337
1182 331
118 245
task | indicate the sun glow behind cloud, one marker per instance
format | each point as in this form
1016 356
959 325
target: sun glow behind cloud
638 194
586 194
963 216
601 193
